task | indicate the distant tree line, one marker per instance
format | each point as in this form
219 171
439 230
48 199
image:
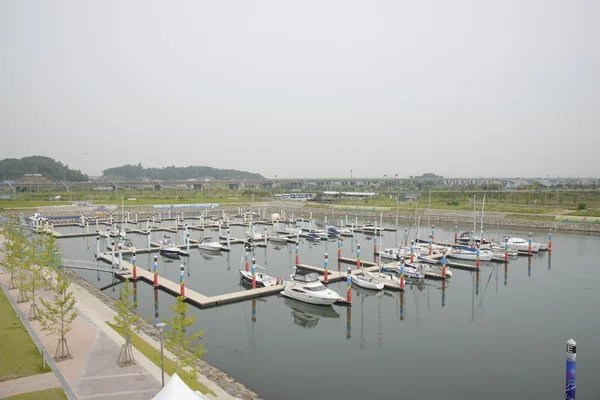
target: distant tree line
12 169
136 172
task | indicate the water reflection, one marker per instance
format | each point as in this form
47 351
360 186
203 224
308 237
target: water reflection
549 260
156 303
307 315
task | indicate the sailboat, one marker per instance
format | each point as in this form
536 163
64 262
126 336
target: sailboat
367 282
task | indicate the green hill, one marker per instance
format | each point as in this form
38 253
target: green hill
12 169
135 172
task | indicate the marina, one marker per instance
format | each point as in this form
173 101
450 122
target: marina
365 320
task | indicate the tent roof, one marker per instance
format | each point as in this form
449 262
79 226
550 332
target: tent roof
176 389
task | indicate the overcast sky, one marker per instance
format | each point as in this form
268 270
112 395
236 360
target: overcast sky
305 88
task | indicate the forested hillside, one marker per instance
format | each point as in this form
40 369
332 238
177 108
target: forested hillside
135 172
12 169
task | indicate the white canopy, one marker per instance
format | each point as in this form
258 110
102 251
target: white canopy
176 389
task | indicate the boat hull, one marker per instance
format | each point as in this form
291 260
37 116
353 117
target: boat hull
366 284
325 301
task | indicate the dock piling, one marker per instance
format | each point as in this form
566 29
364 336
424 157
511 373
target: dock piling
297 255
349 285
112 260
120 257
529 252
246 258
253 273
375 244
134 266
455 232
358 256
430 247
432 233
155 271
339 248
97 245
477 255
412 251
571 370
181 281
505 250
444 263
325 270
228 240
549 239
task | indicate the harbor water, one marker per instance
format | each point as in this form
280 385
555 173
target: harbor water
496 334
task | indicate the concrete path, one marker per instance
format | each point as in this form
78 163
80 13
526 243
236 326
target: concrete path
33 383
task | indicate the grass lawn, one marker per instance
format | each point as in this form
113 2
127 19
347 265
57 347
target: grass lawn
19 356
50 394
154 355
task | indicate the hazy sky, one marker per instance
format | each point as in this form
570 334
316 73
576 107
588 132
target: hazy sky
305 88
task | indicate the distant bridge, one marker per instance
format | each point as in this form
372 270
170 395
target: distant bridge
296 183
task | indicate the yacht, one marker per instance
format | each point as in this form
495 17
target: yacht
168 248
262 279
411 272
466 238
308 288
470 254
433 268
279 239
519 244
207 243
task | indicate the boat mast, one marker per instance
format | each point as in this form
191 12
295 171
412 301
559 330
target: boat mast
481 234
429 211
474 214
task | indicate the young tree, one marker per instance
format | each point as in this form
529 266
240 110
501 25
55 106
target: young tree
177 342
57 316
127 321
35 270
50 257
14 244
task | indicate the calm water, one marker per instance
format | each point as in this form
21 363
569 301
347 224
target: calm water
503 339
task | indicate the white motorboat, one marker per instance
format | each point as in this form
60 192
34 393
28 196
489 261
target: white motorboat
207 243
519 244
262 279
320 233
254 236
103 234
385 278
124 244
433 268
168 248
498 250
390 254
308 288
366 282
470 254
411 272
279 239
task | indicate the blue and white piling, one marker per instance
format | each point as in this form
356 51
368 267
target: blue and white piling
571 370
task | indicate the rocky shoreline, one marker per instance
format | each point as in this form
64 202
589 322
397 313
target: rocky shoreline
227 383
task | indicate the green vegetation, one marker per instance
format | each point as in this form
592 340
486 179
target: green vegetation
187 350
13 169
57 315
154 355
19 357
126 320
49 394
135 172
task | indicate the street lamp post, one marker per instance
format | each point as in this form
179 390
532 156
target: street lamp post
160 327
